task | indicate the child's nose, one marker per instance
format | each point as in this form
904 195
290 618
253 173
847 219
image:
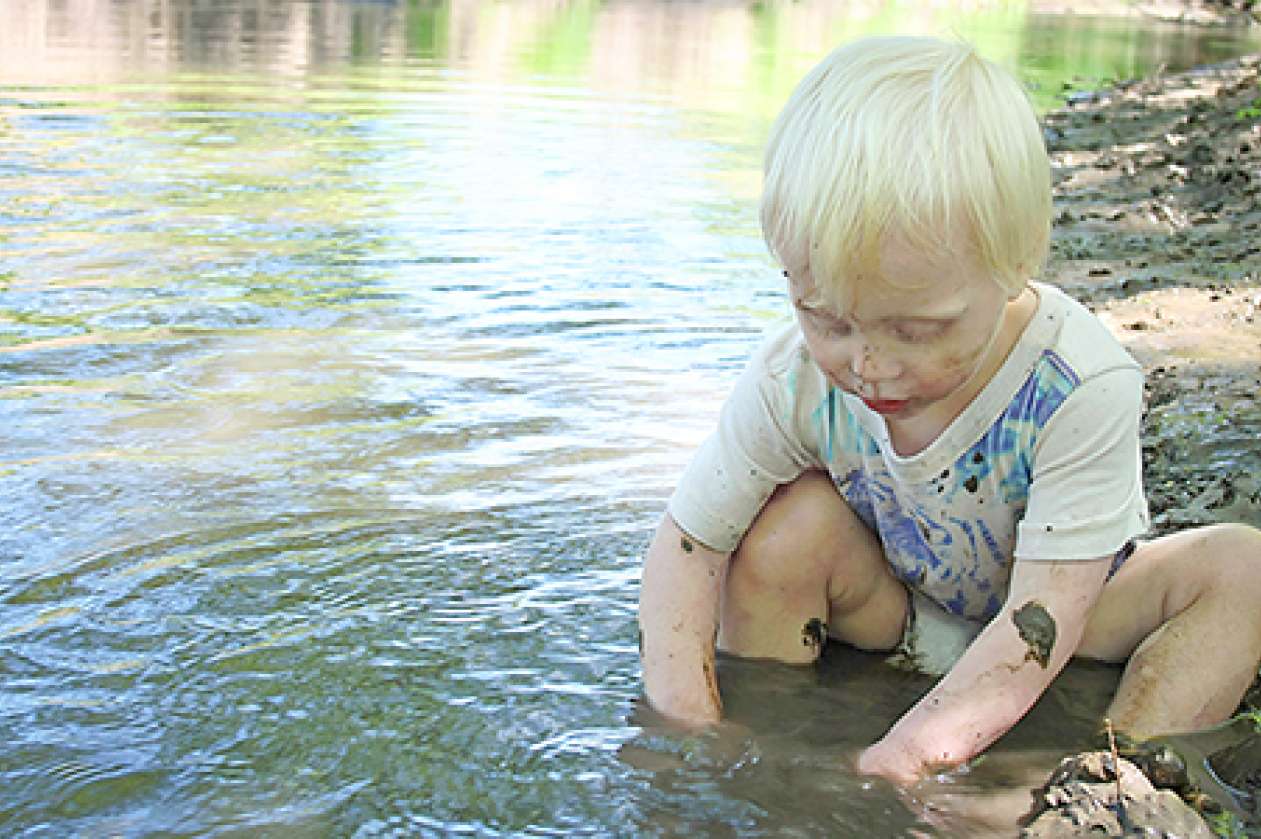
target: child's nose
869 365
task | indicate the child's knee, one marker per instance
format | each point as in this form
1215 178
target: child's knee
798 512
1239 546
800 527
1227 560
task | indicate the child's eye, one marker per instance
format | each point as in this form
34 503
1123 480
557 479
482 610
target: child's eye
919 332
829 325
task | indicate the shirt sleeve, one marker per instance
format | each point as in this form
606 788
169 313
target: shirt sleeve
1086 495
753 450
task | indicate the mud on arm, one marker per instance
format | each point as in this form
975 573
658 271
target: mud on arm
678 621
1000 676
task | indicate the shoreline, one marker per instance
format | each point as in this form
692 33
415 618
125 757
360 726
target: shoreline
1193 12
1157 201
1157 190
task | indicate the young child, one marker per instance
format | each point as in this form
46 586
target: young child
939 455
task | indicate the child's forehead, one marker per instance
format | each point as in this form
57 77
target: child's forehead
905 283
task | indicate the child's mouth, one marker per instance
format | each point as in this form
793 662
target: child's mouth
886 406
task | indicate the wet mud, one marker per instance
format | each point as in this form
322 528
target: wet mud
1037 629
709 666
814 635
1207 13
1095 794
1202 12
1158 231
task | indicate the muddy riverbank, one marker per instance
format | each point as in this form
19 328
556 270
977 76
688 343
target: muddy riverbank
1157 187
1194 12
1158 215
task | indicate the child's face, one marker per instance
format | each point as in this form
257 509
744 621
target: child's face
903 349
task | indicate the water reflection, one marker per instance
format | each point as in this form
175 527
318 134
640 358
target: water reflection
733 57
347 353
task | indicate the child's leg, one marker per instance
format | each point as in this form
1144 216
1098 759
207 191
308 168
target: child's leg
1186 610
807 558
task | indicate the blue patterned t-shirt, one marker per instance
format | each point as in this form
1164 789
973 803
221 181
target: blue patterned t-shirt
1042 465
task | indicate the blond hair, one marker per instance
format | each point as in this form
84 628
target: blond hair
906 136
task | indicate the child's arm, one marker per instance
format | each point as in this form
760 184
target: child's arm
678 619
1000 676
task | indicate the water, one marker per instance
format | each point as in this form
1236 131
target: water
348 352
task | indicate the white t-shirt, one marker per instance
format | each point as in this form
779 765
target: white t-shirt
1042 465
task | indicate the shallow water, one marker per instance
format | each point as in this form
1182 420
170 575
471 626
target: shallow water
348 352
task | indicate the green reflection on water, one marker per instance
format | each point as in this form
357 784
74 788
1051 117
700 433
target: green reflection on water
408 261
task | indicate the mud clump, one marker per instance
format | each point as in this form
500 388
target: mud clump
1081 799
710 671
1037 629
815 635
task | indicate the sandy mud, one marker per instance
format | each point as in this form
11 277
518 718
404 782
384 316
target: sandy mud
1158 230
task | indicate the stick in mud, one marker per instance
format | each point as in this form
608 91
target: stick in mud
1122 818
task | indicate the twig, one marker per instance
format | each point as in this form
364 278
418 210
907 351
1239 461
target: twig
1116 758
1122 819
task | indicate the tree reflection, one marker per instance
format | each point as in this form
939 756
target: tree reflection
750 53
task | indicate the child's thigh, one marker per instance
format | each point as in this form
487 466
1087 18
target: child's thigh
1157 582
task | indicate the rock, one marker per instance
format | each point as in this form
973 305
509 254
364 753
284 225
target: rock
1080 799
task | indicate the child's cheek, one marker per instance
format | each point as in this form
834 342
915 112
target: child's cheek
950 369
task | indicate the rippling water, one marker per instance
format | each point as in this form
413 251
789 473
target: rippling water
347 354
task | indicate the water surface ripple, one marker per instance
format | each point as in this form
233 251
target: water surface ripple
347 355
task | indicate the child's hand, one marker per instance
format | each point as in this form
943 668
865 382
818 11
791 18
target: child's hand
890 762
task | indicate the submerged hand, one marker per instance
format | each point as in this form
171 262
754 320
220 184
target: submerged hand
890 762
